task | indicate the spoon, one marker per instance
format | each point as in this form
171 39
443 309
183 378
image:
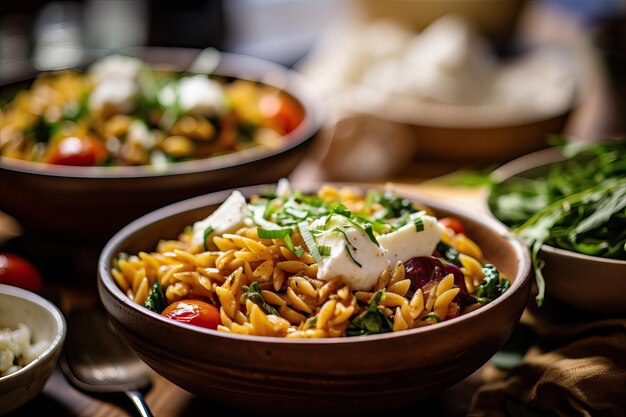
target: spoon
96 360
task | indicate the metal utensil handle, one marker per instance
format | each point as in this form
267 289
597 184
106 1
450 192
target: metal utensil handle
137 399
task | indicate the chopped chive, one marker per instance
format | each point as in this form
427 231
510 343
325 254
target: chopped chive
273 233
324 250
351 256
296 250
419 224
206 234
309 241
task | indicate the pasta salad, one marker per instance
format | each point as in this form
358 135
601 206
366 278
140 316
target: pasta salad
337 263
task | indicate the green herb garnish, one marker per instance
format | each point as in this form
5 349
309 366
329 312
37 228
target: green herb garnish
449 253
156 300
309 241
253 293
284 234
491 287
205 235
373 321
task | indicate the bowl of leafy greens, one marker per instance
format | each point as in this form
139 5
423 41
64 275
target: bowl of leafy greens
569 205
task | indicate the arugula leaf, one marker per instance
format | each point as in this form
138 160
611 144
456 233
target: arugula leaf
373 321
156 300
253 293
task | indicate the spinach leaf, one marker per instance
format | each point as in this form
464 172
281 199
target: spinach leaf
373 321
156 300
449 253
491 287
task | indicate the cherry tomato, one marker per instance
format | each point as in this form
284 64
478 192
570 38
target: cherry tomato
282 111
453 223
78 151
194 312
17 271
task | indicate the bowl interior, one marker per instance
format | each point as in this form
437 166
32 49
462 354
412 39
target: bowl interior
229 66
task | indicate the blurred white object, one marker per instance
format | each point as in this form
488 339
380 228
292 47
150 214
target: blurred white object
393 88
117 85
58 36
447 63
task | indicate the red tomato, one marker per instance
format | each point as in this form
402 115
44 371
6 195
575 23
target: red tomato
194 312
78 151
282 111
453 223
17 271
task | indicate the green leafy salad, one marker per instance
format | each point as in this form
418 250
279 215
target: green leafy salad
578 204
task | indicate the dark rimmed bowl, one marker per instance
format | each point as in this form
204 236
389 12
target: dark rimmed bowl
74 210
339 375
590 283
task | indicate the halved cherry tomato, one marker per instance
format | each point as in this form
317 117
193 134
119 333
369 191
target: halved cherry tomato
78 151
453 223
17 271
282 111
196 312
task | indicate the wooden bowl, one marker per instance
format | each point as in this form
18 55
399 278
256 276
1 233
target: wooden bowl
337 375
45 322
65 209
589 283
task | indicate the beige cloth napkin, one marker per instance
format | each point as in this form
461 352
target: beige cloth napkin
575 366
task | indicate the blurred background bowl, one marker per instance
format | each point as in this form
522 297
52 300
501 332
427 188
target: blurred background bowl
67 210
443 95
45 322
590 283
495 18
337 375
453 135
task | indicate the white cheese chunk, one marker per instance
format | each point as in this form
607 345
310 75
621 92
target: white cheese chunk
116 84
116 67
201 95
353 256
115 95
406 242
228 217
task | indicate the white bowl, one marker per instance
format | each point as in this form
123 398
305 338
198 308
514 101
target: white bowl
45 322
